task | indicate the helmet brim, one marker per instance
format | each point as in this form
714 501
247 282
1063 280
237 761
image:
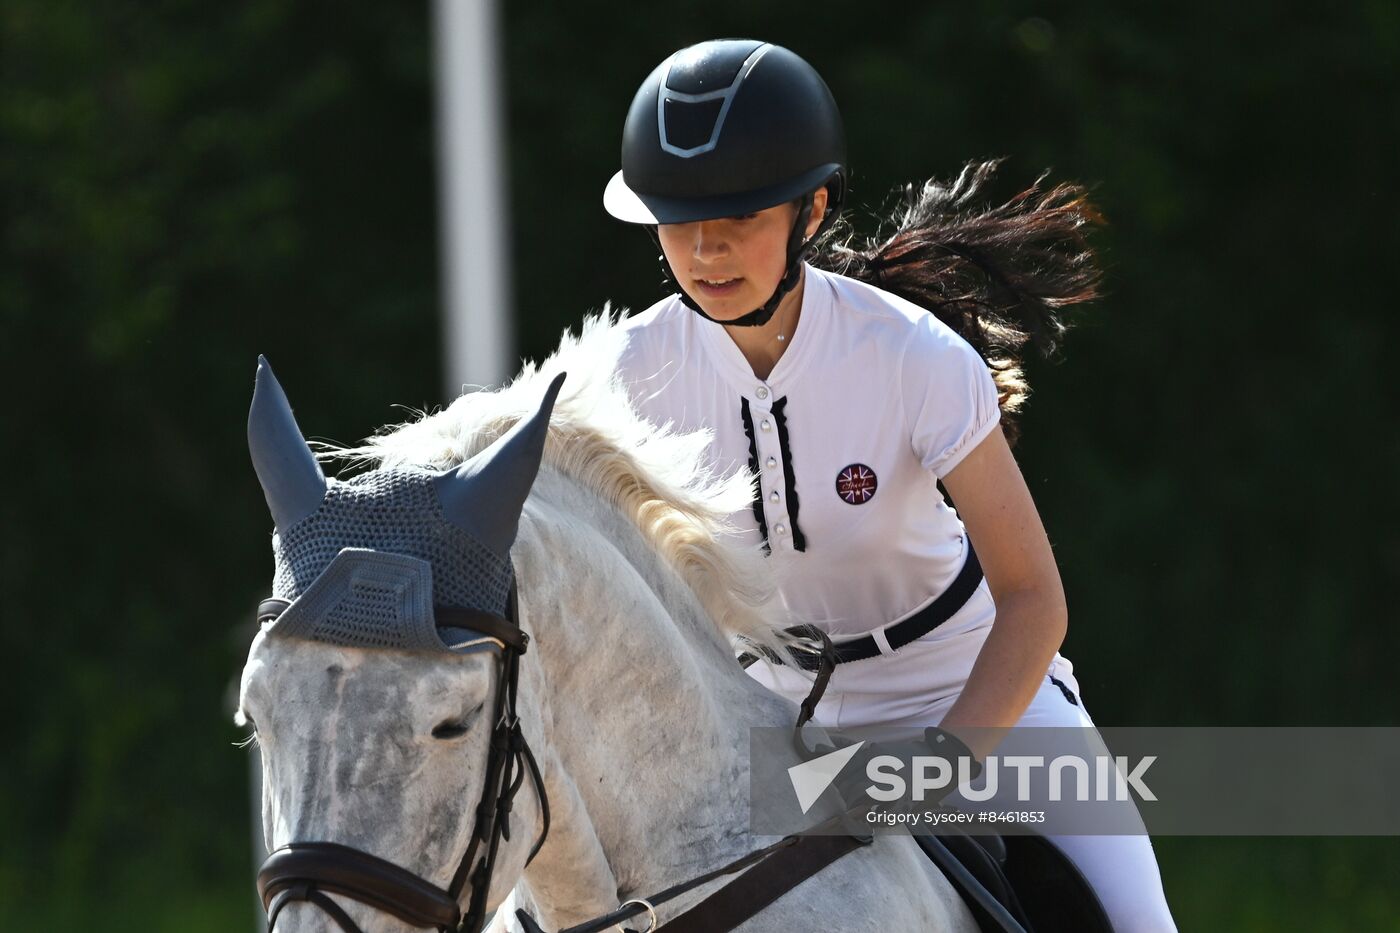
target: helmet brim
635 208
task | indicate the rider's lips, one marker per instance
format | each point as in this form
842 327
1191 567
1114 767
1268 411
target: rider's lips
718 286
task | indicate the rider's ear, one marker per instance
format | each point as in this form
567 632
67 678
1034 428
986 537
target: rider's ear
485 495
820 200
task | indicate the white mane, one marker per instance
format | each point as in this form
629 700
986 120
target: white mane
655 476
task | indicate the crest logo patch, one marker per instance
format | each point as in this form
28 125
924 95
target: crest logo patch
856 484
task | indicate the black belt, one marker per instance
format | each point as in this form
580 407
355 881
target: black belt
916 626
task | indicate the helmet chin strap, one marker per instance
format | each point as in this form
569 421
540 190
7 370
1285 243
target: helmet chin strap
797 250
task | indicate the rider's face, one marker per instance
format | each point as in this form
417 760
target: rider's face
733 265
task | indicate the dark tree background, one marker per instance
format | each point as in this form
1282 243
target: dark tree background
183 186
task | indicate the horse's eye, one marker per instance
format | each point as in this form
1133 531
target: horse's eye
457 726
450 729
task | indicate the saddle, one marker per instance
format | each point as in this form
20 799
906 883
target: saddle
1017 882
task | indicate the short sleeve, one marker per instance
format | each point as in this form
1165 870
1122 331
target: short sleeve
631 361
646 365
950 398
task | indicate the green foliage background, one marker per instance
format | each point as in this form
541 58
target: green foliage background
184 185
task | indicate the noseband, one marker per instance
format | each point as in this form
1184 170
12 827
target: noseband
312 871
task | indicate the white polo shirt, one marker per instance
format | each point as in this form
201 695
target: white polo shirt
873 402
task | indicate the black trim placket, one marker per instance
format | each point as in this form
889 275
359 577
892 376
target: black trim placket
799 540
758 515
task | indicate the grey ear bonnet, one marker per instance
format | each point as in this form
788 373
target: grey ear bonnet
291 478
484 496
390 514
374 599
365 566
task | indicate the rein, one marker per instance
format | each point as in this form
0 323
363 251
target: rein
779 868
311 871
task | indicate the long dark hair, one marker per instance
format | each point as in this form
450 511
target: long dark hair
1000 276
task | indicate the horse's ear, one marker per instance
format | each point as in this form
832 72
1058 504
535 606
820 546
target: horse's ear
291 478
485 495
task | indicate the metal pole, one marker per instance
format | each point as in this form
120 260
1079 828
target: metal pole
477 338
478 345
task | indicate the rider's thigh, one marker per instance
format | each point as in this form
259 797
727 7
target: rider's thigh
1121 869
1123 872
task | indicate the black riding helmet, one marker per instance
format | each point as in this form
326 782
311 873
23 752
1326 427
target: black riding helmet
729 127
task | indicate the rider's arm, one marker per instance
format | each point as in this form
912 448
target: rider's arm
1031 616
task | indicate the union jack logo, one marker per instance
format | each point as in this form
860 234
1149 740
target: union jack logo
856 484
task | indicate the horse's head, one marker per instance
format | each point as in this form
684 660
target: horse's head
382 677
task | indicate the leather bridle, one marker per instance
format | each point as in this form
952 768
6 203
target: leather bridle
312 871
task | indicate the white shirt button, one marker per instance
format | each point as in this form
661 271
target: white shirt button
780 528
773 496
772 462
766 425
762 392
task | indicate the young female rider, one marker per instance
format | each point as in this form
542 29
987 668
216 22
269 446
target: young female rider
851 402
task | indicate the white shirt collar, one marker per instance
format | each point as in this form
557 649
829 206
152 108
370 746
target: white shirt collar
817 297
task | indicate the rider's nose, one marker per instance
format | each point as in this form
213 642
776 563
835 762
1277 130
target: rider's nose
710 243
